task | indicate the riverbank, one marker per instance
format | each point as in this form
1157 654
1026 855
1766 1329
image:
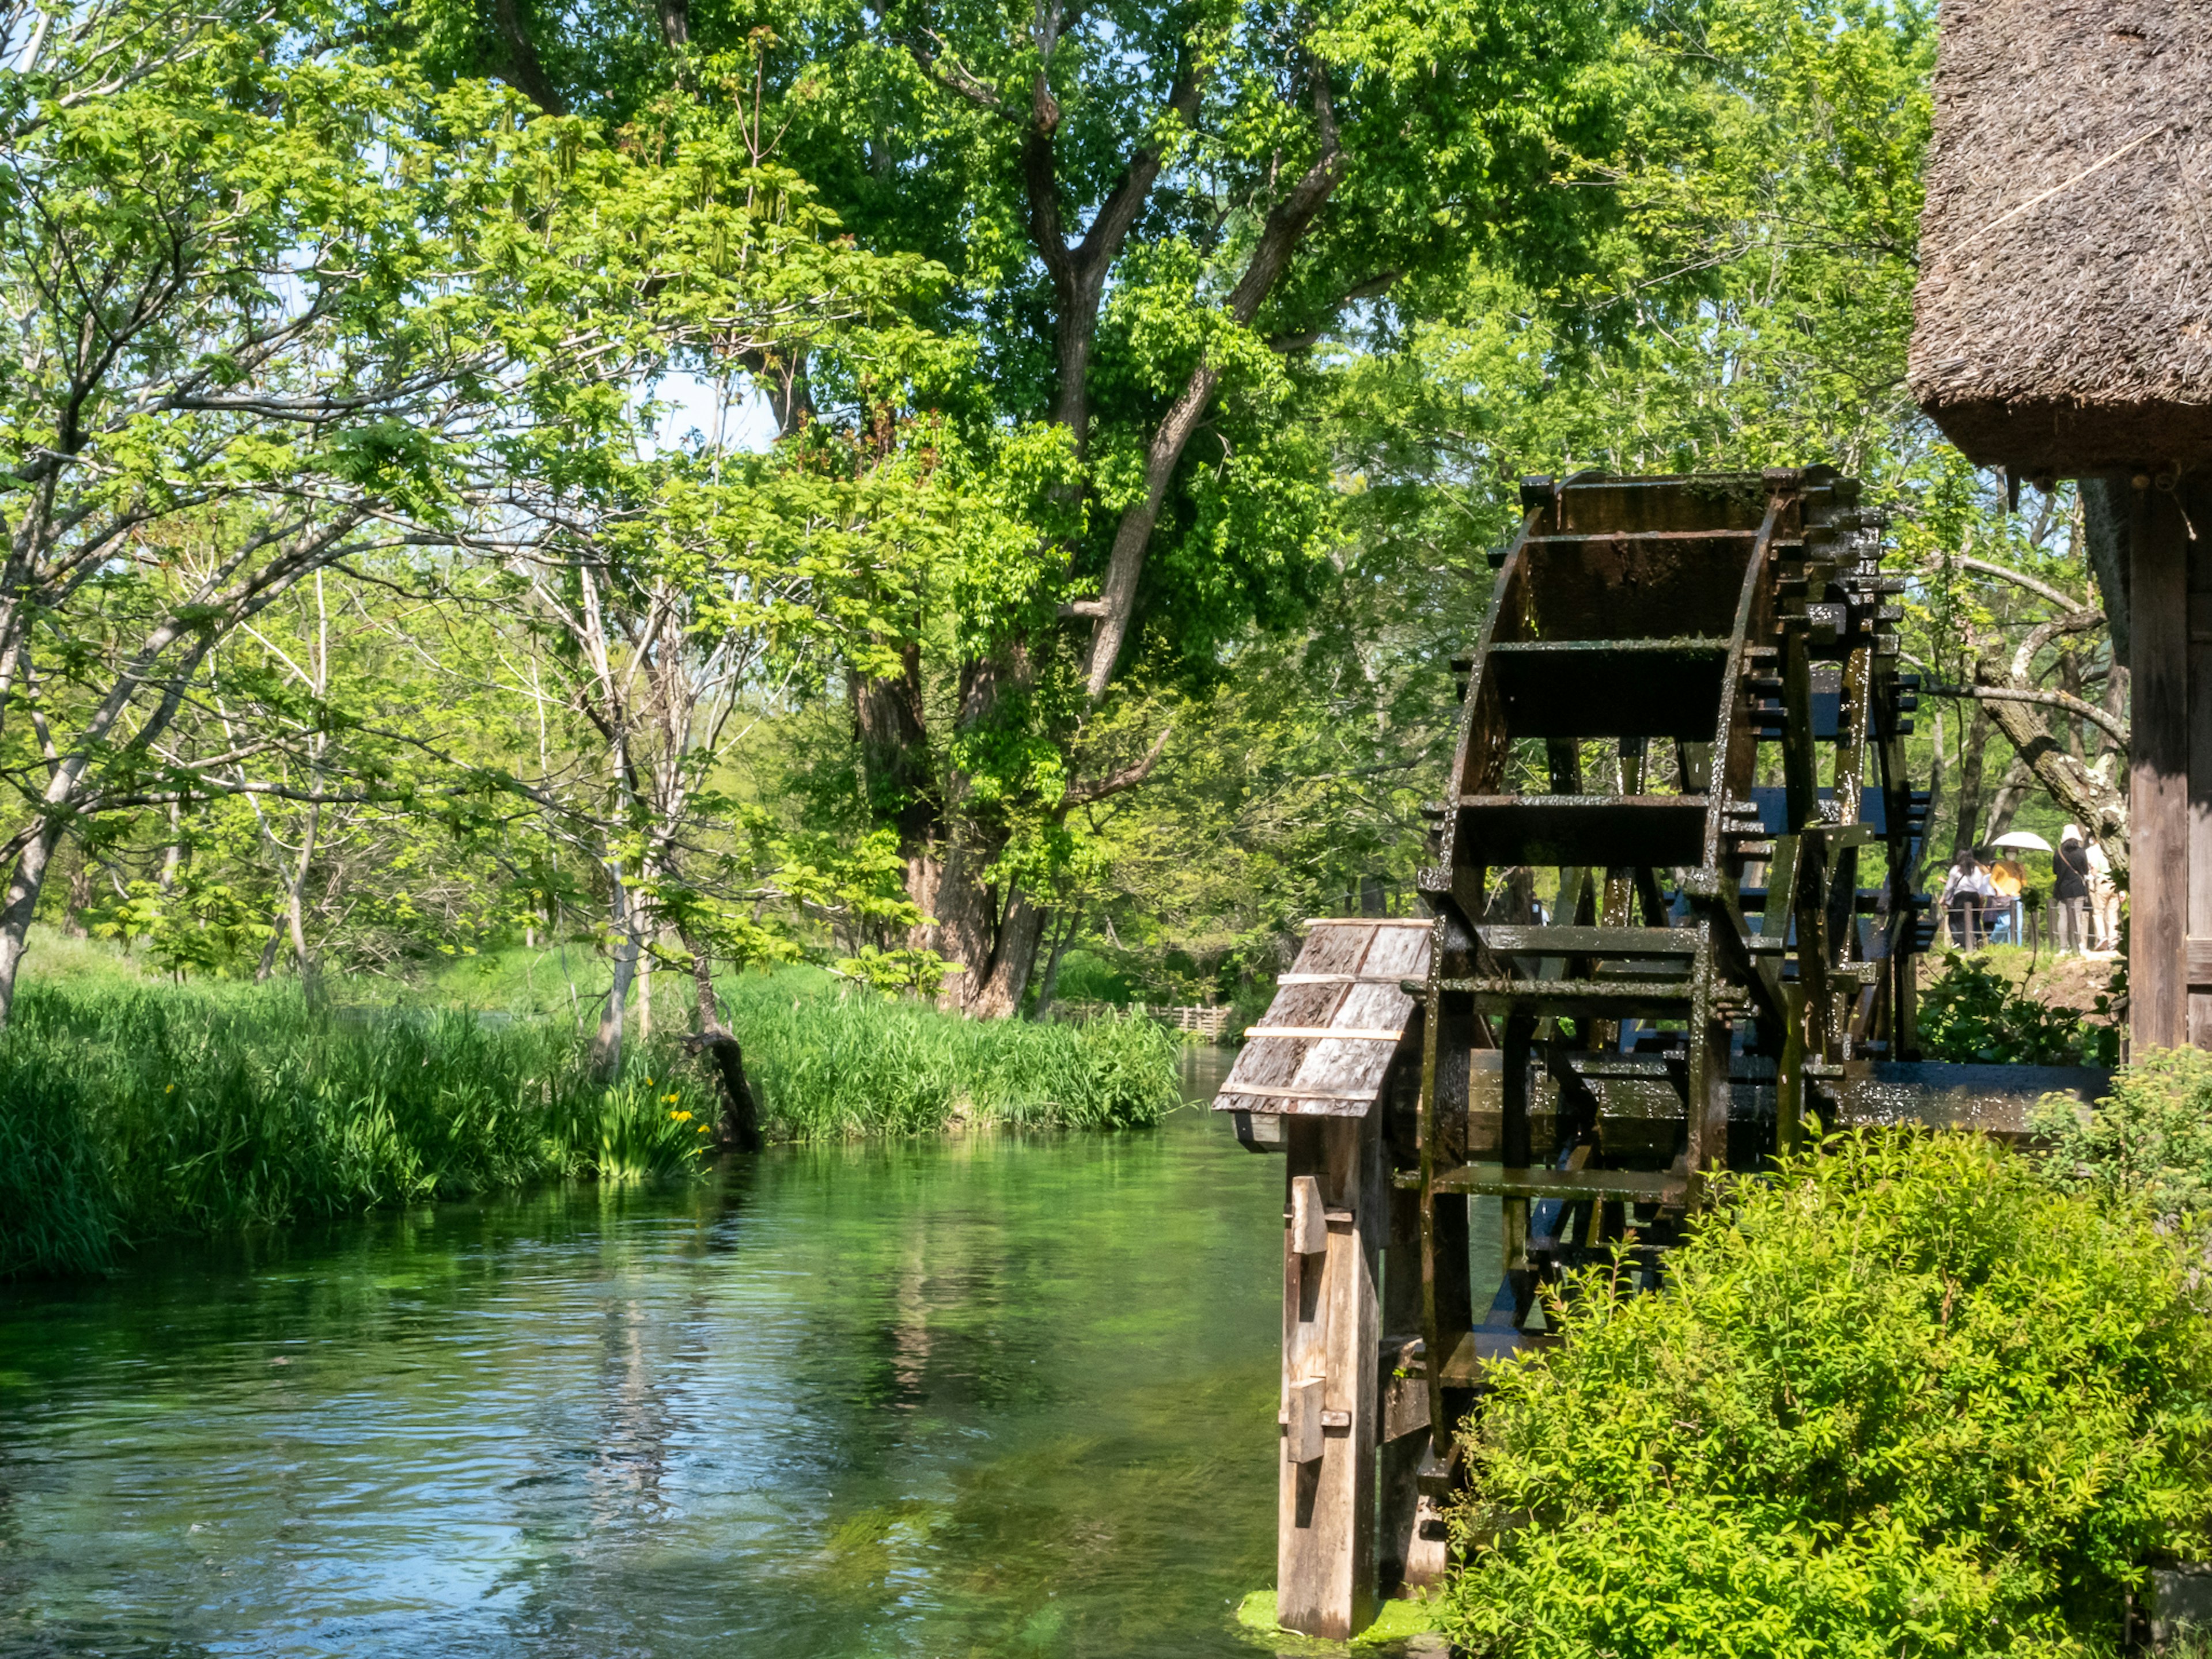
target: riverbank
132 1110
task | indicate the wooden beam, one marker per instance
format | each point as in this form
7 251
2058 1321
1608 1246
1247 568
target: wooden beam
2198 647
2159 780
1326 1509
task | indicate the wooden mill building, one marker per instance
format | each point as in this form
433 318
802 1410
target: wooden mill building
2063 330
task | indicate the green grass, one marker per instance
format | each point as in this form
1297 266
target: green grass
132 1113
825 1066
132 1109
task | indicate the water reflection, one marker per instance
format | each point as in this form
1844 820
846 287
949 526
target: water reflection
988 1396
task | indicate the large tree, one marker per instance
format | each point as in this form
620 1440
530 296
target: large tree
1152 214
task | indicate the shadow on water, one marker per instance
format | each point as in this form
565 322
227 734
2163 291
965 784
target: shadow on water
996 1395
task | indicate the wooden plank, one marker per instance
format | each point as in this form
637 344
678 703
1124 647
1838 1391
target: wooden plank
1343 979
2197 1013
1574 830
1554 941
1339 1033
1301 1406
2198 953
2159 773
1506 1180
1326 1513
1598 999
1309 1220
1402 1556
1423 922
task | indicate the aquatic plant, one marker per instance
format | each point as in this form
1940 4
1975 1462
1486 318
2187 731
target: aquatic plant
826 1066
131 1111
1906 1399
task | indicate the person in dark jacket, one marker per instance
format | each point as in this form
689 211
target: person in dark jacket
2071 890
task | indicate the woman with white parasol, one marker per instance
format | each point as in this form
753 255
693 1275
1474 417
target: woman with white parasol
2014 876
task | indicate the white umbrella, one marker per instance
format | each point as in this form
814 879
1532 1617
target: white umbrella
2033 843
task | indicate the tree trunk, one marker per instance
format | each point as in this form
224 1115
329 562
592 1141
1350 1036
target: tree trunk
25 883
79 894
2019 779
2097 805
2107 505
1966 827
740 1125
607 1041
1071 922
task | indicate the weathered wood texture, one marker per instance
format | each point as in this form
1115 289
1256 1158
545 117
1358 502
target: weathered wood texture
2159 787
1326 1522
2196 500
1403 1556
1348 978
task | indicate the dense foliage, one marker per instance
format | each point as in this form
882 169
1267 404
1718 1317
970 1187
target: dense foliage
1972 1012
2149 1142
1903 1399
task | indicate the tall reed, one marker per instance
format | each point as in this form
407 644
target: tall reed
132 1111
829 1066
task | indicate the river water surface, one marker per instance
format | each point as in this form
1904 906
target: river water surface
994 1395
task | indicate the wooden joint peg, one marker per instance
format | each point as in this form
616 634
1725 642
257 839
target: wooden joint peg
1309 1220
1302 1416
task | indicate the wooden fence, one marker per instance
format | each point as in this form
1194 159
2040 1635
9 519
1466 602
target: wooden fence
1209 1022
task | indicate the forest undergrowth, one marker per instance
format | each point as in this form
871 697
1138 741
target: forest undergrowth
134 1111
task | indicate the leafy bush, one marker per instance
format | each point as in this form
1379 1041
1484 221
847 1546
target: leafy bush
2148 1141
1972 1012
1906 1399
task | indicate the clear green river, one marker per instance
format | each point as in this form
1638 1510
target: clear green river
995 1395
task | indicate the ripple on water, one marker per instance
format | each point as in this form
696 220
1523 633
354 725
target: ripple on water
1002 1396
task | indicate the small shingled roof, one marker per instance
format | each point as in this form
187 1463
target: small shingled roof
1324 1047
2063 318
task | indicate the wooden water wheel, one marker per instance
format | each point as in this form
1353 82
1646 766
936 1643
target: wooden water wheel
1683 722
1685 701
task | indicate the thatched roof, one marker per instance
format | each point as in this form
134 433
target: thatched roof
2063 320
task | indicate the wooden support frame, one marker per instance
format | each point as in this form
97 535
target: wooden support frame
1325 1559
2168 783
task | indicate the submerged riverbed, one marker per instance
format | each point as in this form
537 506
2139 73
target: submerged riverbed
988 1395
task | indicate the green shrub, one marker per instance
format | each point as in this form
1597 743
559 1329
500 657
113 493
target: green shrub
1972 1012
1905 1399
2148 1141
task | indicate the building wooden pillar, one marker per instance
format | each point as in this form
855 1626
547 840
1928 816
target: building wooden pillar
2169 781
2194 498
1336 1215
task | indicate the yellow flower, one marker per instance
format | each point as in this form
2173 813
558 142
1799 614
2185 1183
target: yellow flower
171 1089
680 1117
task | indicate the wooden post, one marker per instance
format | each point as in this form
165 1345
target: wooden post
1403 1556
2196 945
2159 793
1325 1521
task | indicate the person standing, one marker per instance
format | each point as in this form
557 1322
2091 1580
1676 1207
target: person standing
2104 900
2010 880
1965 891
2071 891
